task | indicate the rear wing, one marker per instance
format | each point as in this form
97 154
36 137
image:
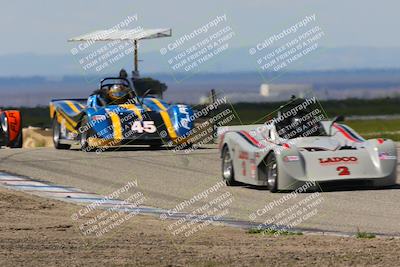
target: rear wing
80 100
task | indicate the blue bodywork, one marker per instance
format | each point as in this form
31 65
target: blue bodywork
175 120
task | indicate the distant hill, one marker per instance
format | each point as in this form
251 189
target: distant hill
234 60
241 86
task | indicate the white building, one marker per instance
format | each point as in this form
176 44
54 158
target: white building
284 91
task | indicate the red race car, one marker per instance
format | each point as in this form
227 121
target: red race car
11 128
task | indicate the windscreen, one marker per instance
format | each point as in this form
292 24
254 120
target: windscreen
294 122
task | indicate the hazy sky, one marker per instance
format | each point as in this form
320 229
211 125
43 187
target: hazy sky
43 26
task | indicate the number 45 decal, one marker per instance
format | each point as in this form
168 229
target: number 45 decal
343 170
144 126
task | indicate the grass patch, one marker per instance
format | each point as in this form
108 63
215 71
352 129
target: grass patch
370 126
40 143
364 235
392 136
250 112
369 129
275 232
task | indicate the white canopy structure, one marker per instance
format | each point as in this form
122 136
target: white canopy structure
123 35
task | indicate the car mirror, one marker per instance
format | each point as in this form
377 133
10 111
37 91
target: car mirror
335 119
338 118
146 92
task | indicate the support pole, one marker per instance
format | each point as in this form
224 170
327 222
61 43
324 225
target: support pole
136 57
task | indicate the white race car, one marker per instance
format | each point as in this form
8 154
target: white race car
322 151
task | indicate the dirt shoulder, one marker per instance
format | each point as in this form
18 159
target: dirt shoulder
40 232
36 137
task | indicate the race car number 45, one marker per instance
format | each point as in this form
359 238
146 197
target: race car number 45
143 126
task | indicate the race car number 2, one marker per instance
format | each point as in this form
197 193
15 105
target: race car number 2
343 170
143 126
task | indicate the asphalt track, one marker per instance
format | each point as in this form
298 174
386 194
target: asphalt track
168 178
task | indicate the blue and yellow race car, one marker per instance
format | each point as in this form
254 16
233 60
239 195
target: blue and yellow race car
115 115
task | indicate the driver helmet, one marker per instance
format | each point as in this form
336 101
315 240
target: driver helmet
118 94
